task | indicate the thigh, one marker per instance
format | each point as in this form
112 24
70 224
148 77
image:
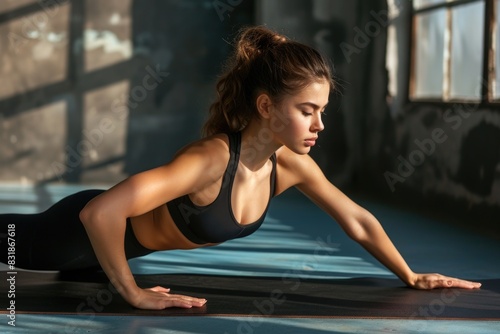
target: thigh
56 239
61 241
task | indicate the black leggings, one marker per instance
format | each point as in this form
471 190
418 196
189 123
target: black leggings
56 239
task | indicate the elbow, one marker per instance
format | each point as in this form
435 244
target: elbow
359 228
86 215
99 214
356 232
90 215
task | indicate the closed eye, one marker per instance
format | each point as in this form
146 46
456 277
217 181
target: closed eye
305 113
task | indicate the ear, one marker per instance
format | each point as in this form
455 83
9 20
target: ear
264 104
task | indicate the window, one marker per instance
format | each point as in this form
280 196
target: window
454 51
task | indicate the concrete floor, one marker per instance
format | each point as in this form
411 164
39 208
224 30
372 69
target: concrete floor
293 230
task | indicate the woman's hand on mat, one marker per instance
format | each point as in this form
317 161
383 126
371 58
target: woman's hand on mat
159 298
434 281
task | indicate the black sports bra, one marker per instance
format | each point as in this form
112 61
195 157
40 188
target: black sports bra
215 223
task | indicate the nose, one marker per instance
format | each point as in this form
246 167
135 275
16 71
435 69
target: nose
317 125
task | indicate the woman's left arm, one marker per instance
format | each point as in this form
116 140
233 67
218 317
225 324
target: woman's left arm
363 227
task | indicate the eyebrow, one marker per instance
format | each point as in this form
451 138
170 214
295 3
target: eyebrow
312 105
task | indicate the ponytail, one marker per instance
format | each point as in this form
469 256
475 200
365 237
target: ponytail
263 61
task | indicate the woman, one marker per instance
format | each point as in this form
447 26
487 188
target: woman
265 120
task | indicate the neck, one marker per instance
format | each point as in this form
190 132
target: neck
257 145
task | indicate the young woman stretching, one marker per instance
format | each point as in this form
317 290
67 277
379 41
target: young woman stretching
265 120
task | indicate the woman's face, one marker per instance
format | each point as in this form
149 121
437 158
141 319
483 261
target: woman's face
296 121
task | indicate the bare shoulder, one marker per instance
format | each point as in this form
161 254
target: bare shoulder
209 153
302 172
296 169
290 159
213 147
296 163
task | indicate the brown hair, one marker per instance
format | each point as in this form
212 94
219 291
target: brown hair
263 61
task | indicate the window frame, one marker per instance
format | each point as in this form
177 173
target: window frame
488 68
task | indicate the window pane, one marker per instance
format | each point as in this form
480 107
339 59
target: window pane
8 5
107 33
466 51
33 50
100 107
419 4
33 142
429 54
496 88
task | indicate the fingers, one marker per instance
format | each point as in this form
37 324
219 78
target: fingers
187 301
451 282
160 298
462 284
434 281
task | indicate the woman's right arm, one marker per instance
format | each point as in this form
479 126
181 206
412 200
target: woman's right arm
104 219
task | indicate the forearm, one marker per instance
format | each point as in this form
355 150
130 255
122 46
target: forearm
107 238
376 242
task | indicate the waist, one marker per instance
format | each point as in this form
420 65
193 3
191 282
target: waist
156 230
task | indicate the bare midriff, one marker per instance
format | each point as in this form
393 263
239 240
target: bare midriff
156 230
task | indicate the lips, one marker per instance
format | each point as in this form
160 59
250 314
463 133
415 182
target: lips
311 141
